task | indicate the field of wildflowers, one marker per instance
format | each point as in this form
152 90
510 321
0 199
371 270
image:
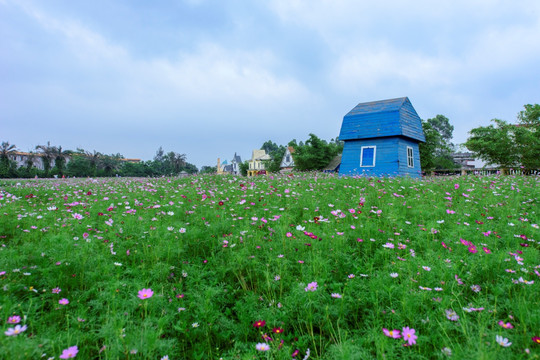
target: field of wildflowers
300 266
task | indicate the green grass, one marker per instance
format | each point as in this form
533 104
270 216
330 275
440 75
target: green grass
249 250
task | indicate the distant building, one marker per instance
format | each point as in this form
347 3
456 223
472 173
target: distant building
287 162
235 164
232 168
464 160
22 158
256 163
381 139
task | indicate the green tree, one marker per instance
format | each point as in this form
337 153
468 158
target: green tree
208 169
527 135
8 167
60 158
436 152
270 147
244 167
79 166
47 155
530 116
315 154
509 145
93 160
276 152
175 162
110 164
6 149
494 144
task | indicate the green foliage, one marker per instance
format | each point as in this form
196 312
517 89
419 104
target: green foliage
274 165
79 166
509 145
270 147
208 169
244 167
315 154
436 152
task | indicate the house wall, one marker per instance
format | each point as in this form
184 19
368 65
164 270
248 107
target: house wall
390 157
403 167
411 124
284 162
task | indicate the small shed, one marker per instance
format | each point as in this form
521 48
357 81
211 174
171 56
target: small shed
381 139
333 165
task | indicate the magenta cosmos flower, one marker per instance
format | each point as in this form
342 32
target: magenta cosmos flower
145 294
63 301
394 334
409 336
70 352
259 323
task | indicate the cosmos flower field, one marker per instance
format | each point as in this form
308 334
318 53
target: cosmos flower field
300 266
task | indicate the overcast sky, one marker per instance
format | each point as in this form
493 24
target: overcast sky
209 78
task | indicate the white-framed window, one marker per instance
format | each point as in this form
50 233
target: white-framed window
410 157
367 156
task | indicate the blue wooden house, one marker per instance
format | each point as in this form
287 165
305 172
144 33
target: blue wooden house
381 139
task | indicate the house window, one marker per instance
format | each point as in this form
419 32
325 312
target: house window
410 158
367 156
288 158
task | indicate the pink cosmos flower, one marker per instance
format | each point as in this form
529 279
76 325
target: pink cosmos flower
77 216
56 290
409 336
312 286
15 319
63 301
70 352
394 334
145 294
506 325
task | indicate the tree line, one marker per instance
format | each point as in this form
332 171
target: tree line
59 162
501 144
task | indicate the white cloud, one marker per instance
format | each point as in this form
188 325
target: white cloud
209 74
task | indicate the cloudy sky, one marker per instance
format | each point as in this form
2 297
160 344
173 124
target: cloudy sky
209 78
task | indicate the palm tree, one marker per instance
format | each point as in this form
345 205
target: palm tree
6 149
94 158
176 161
47 155
60 158
30 158
110 163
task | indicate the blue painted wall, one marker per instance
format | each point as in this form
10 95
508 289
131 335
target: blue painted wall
389 125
